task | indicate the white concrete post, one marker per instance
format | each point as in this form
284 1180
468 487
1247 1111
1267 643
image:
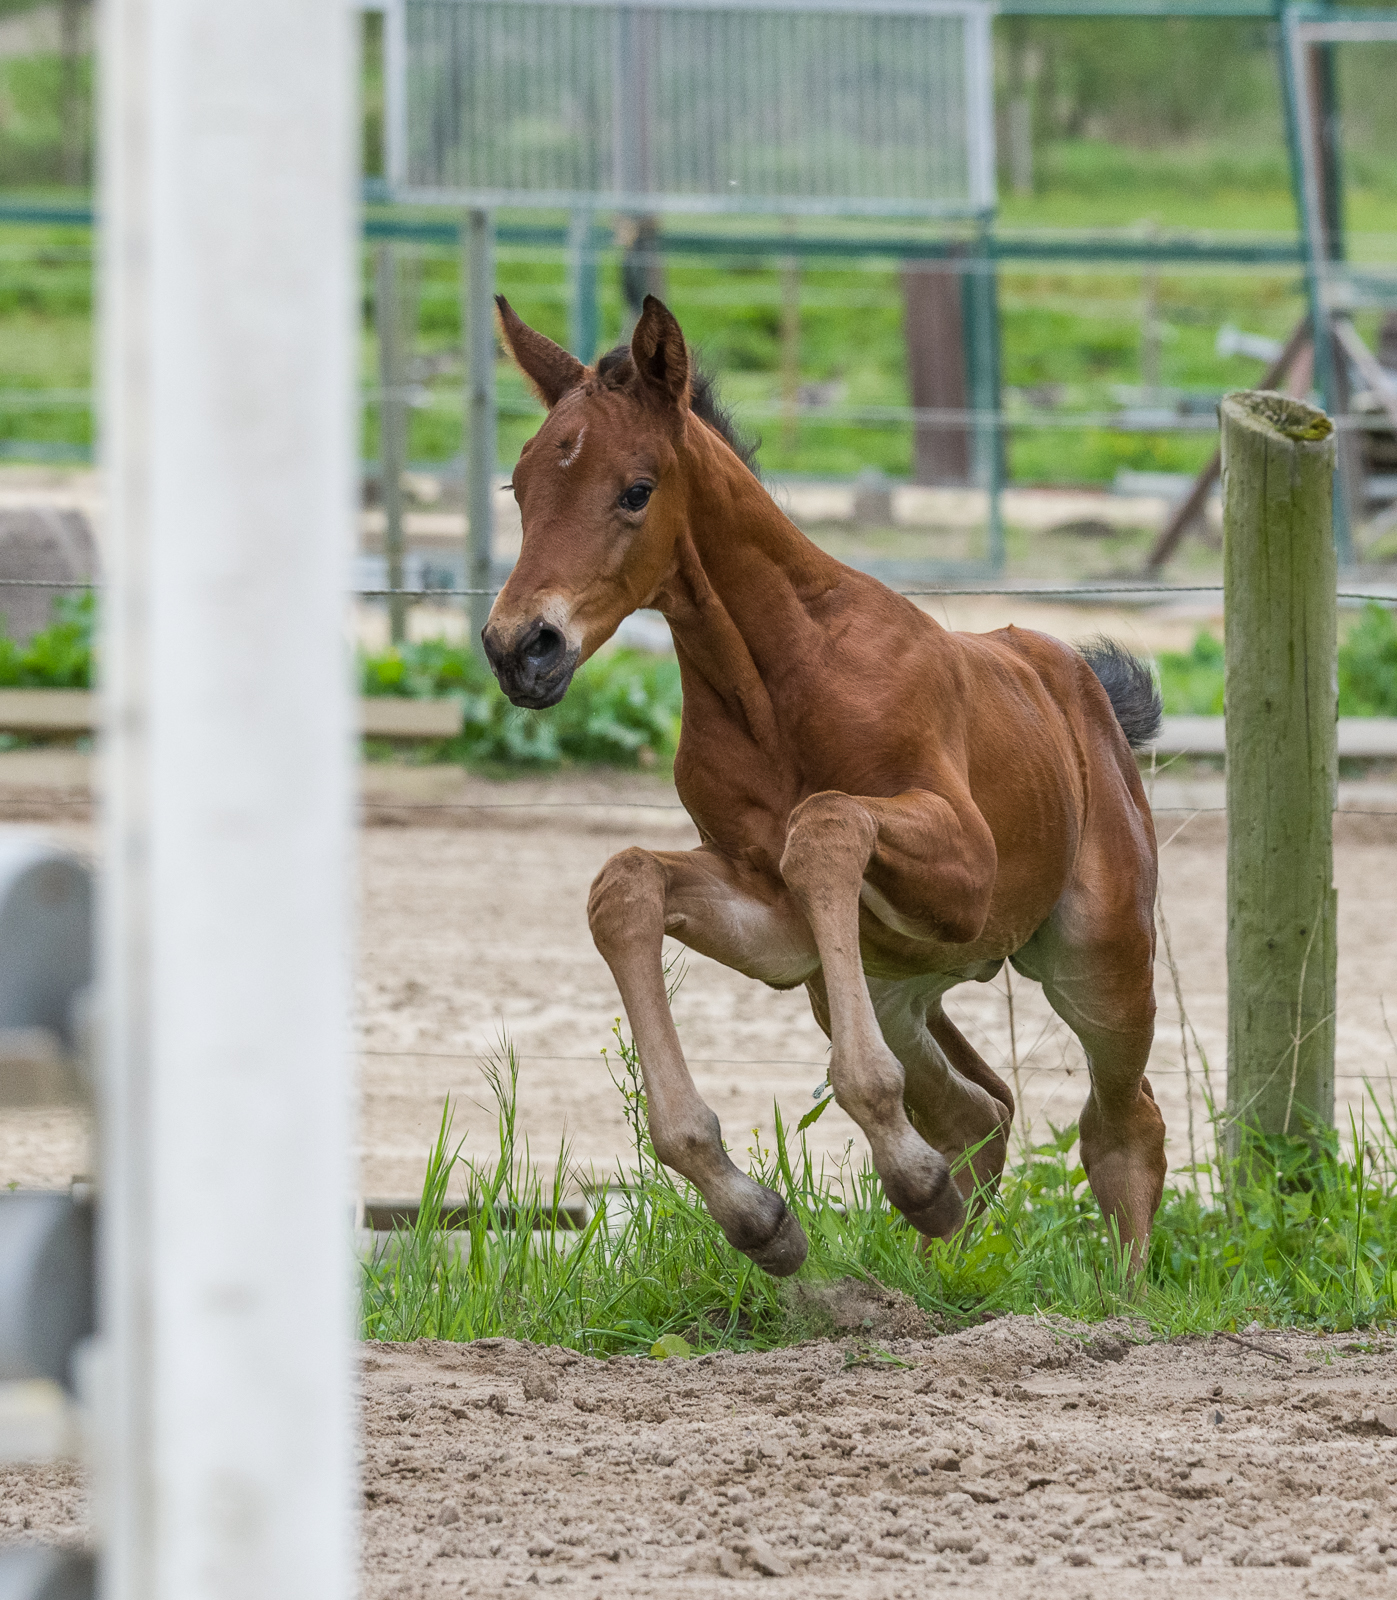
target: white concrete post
226 1289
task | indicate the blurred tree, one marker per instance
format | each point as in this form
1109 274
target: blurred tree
1132 80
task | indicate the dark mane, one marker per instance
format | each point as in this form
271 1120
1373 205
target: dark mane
616 369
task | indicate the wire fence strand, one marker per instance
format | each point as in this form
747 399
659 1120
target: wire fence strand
1023 591
769 1061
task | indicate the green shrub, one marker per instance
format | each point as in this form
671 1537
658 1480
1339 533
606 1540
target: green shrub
60 657
622 708
1368 666
1191 681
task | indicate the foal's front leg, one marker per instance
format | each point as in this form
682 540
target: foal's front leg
926 870
718 909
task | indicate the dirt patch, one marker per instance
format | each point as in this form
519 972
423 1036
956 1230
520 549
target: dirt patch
1045 1458
44 1505
859 1306
1036 1458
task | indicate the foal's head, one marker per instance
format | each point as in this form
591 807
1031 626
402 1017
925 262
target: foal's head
602 498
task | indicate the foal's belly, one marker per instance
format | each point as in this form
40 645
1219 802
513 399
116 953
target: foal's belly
897 938
886 953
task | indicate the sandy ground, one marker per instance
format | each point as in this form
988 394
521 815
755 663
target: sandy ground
1020 1457
476 931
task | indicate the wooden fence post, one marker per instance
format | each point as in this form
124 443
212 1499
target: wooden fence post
1280 698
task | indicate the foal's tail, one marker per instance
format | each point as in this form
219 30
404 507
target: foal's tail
1129 686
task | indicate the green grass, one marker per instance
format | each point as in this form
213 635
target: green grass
1171 123
31 117
1296 1233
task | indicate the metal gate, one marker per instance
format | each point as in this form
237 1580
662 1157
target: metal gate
818 107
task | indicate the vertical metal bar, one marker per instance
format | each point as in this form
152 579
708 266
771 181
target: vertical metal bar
71 107
982 348
392 428
227 354
994 400
583 314
789 269
479 276
979 93
1330 141
395 137
1307 179
626 109
1151 339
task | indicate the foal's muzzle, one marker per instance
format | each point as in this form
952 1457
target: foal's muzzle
536 669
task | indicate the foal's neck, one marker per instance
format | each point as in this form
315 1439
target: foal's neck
739 602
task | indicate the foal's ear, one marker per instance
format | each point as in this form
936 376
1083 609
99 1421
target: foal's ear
657 348
546 365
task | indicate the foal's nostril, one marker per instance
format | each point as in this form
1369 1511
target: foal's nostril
544 648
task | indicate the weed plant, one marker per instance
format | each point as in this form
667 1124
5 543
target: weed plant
1294 1232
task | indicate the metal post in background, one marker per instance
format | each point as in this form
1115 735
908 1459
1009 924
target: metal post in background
789 269
228 300
1314 174
584 319
1151 328
392 427
395 163
481 449
983 360
936 308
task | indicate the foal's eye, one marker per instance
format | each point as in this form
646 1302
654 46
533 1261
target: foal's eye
636 496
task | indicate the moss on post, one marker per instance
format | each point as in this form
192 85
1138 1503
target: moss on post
1280 699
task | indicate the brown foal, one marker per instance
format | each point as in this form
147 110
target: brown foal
887 809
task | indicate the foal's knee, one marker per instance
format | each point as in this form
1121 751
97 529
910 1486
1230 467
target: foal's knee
627 901
826 831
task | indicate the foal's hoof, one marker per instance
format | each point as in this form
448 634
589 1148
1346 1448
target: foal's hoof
779 1250
786 1250
943 1218
939 1211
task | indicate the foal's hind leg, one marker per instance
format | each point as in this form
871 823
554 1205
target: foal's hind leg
986 1107
1095 960
952 1098
720 910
